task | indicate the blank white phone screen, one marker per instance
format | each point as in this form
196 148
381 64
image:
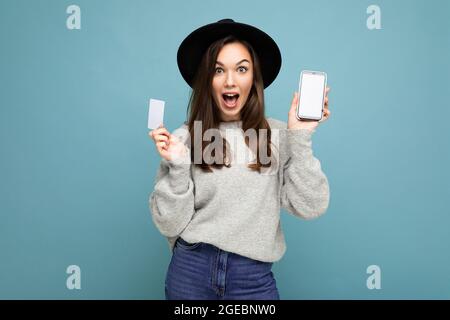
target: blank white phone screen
311 95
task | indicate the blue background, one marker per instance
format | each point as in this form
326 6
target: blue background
77 165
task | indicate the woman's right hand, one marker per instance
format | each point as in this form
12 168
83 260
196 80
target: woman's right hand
168 145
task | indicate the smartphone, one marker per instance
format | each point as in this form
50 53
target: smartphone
311 87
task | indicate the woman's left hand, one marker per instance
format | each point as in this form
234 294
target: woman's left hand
294 123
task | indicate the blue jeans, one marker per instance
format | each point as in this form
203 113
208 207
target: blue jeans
201 271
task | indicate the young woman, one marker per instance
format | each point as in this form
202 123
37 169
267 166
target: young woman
222 216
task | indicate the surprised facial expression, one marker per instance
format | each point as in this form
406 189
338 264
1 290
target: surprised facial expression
232 81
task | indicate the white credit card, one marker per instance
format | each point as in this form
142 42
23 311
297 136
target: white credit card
155 113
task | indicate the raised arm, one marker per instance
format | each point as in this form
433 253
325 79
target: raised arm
305 190
172 201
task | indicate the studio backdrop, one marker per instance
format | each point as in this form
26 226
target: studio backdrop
77 165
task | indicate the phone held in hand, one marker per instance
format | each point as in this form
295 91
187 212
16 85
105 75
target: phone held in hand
312 86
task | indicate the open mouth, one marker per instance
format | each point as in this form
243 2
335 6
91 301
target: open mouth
230 100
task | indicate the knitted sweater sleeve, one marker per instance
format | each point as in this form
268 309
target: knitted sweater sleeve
172 200
305 190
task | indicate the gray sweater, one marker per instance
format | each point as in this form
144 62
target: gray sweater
234 208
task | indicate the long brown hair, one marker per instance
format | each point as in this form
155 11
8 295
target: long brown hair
202 107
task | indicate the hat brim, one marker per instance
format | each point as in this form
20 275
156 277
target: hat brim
191 50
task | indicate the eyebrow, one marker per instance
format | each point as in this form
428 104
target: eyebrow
243 60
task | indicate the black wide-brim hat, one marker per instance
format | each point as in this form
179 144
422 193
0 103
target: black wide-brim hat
193 47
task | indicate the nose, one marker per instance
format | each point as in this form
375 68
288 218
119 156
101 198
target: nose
229 81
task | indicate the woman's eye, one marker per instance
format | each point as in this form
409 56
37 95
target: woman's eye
240 68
